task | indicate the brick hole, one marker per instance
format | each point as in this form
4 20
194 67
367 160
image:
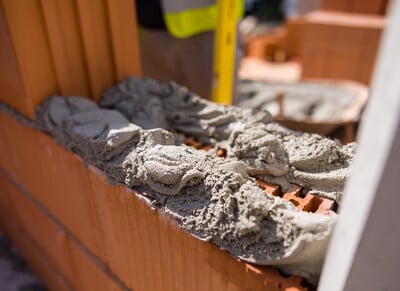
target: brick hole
312 203
269 188
221 153
190 141
295 202
297 195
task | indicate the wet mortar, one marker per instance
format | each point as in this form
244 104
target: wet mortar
133 137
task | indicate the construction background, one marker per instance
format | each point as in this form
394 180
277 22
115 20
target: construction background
75 229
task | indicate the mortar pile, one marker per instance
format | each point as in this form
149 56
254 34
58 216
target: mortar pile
215 199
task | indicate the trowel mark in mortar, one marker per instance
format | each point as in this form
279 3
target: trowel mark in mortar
212 198
272 153
307 202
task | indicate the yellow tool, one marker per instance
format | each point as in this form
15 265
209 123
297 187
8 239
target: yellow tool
224 51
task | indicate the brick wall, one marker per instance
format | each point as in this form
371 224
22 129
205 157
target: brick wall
66 47
340 45
77 231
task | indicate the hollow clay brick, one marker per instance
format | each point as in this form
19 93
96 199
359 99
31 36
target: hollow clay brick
190 141
334 45
269 188
30 43
52 241
221 153
7 207
356 6
89 275
310 202
147 249
294 38
65 254
49 47
36 261
55 177
143 247
12 89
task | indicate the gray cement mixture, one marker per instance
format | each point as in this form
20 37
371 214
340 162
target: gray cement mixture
321 102
271 152
212 198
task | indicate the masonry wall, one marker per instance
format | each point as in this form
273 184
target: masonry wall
340 45
76 230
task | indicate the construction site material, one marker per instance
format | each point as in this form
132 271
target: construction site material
318 106
66 47
340 45
356 6
321 102
271 152
256 69
81 232
212 198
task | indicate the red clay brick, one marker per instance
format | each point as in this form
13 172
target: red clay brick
98 48
53 241
70 259
294 38
310 202
191 141
334 45
326 207
30 43
89 275
38 263
356 6
12 90
55 177
143 244
221 153
7 207
269 188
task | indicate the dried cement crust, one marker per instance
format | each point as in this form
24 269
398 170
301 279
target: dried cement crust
212 198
